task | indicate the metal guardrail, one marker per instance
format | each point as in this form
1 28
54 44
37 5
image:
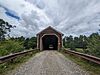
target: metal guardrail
12 56
84 56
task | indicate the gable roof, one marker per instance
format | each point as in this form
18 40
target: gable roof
49 27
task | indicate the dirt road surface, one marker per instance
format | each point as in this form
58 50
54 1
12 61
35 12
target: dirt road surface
49 63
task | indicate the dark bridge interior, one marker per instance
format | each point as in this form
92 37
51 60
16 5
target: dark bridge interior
50 42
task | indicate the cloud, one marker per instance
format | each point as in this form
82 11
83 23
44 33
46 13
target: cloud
10 13
68 16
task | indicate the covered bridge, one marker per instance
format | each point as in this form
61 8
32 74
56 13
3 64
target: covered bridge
49 39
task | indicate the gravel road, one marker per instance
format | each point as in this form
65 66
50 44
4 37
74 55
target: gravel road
49 63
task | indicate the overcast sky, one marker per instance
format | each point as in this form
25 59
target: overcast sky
71 17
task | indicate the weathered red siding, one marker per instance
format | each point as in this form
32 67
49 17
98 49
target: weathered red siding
49 31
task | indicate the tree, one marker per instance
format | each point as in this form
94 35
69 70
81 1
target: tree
76 41
64 41
4 28
26 45
68 42
94 44
72 45
82 42
32 42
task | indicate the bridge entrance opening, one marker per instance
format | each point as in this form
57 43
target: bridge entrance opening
50 42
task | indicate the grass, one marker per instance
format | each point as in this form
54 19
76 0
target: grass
10 65
92 68
80 50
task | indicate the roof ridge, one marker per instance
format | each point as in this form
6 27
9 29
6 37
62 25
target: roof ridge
51 28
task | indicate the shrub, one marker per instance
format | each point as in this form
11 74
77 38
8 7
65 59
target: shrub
94 44
10 46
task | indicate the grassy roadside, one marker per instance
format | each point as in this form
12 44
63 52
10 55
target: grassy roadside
92 68
10 65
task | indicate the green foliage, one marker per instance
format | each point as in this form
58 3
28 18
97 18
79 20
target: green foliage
4 28
72 46
94 44
10 46
17 44
69 42
89 45
33 42
80 42
30 43
26 44
76 42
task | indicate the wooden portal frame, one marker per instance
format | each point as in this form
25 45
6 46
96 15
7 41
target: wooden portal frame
49 31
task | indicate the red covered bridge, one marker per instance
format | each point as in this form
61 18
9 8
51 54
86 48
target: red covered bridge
49 39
